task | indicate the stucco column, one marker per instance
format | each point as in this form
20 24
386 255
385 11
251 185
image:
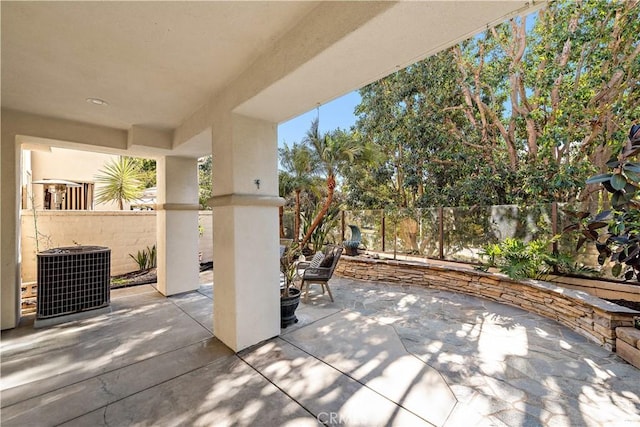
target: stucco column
9 228
177 224
245 231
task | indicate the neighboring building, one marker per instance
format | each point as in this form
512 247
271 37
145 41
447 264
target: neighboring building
51 163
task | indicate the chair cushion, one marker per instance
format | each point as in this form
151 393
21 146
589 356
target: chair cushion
327 261
316 260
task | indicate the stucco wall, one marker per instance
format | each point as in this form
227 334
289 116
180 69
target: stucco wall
205 243
71 165
124 232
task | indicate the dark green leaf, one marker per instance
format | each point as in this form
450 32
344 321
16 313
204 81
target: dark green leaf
618 182
613 163
581 242
633 176
632 255
618 199
607 185
632 167
602 215
599 178
616 269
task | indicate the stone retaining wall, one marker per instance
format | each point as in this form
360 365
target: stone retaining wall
589 316
628 345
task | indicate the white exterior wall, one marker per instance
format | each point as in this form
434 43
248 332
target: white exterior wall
124 232
70 165
205 242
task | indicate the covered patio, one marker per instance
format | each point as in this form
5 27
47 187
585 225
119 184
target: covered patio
381 355
175 81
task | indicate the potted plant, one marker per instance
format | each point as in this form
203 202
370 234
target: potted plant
289 294
351 247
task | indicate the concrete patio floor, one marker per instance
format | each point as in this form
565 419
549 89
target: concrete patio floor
380 355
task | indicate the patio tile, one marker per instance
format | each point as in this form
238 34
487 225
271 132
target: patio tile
373 354
324 390
77 399
310 313
198 306
381 354
227 392
51 358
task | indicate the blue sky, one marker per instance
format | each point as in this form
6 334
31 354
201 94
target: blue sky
335 114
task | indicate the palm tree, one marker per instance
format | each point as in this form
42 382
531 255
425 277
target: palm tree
120 182
334 151
285 187
300 166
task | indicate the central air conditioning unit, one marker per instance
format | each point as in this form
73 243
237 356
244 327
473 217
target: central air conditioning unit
73 279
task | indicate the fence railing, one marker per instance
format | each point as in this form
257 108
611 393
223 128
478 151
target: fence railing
456 233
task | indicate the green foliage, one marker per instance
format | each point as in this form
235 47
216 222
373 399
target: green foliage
335 151
520 260
147 170
616 231
521 114
300 165
328 225
205 180
119 182
288 266
146 259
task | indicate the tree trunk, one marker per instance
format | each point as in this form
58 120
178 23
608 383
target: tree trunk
331 185
296 223
281 215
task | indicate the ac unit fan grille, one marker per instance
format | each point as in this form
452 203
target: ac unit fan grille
73 279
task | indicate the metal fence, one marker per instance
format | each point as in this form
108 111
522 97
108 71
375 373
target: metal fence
456 233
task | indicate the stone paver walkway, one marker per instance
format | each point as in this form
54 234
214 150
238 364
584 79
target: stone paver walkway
380 355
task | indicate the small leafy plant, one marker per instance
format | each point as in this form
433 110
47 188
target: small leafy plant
521 260
146 259
288 267
616 231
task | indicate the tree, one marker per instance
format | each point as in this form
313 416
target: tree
616 231
553 99
335 151
518 114
299 164
120 182
205 181
415 119
147 169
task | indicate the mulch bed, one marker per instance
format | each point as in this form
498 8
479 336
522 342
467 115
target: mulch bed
144 277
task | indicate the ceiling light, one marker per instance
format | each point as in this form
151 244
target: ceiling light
97 101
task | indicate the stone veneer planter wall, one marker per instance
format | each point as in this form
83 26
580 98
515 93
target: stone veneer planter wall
590 316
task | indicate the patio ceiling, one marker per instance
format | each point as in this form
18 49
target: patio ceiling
163 67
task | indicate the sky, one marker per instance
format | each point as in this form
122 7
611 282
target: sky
335 114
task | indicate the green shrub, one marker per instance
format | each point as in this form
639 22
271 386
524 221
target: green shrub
616 231
520 260
146 259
